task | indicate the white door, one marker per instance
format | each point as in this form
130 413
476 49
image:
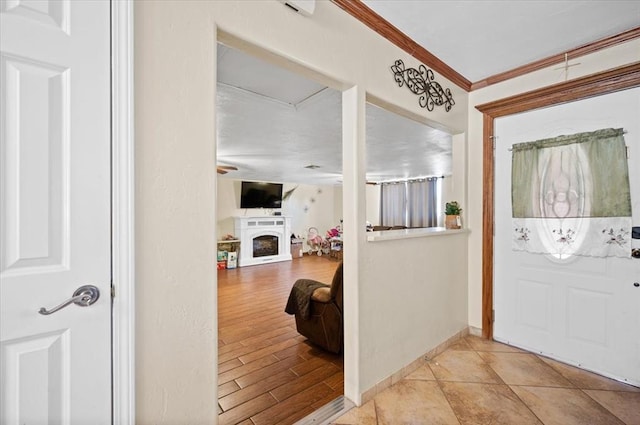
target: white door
581 310
55 211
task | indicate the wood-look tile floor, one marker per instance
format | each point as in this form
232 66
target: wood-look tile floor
481 382
267 372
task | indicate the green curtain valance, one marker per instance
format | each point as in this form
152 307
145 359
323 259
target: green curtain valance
607 133
593 165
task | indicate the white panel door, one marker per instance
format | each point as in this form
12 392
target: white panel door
55 211
581 310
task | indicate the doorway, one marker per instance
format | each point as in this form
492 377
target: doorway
622 78
269 131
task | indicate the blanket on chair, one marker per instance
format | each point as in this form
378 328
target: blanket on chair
299 301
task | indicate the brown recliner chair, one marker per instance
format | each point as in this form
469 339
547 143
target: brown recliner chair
324 326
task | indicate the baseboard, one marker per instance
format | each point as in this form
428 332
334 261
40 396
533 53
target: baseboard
369 394
328 413
475 331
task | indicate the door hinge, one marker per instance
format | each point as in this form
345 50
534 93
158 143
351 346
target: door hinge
113 291
493 316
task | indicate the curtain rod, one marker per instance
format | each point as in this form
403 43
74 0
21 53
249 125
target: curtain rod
510 149
418 179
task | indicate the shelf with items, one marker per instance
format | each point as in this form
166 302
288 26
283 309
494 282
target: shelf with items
228 252
232 245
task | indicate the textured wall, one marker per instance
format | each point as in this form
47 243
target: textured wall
175 216
413 297
175 66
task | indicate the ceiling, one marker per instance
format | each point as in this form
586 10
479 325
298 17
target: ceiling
273 124
292 132
479 39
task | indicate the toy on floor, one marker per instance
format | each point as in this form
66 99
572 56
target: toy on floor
316 243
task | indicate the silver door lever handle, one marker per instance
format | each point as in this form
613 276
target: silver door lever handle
83 296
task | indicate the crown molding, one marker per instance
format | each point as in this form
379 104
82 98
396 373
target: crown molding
361 12
364 14
609 81
559 58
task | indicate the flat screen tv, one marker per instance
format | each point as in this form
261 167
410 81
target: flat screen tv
261 195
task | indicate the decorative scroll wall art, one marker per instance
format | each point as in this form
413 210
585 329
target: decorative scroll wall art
570 195
421 82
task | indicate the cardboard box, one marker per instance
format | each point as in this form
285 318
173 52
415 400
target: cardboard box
296 248
232 260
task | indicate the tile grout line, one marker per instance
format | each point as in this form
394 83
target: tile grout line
375 411
516 394
600 404
525 404
509 387
448 401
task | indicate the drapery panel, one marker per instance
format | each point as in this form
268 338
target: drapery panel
423 203
393 204
571 196
410 203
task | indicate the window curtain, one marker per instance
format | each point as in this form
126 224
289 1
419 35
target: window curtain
393 204
570 195
423 203
410 204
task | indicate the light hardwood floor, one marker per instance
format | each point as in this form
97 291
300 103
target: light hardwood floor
267 372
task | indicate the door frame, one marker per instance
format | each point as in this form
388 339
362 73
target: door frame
122 214
617 79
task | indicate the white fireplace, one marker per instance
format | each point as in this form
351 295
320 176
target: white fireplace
263 239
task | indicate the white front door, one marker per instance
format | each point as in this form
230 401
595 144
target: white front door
581 310
55 211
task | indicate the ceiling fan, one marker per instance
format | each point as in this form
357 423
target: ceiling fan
224 169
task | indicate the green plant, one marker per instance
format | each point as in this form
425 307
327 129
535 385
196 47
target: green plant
452 208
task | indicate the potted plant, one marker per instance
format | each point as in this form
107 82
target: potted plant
452 211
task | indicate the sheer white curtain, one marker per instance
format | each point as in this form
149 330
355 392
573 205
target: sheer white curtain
393 204
423 203
410 204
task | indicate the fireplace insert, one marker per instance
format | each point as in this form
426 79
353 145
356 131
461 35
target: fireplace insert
265 245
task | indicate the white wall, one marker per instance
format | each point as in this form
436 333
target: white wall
337 203
373 204
175 74
454 188
610 58
413 296
308 206
175 161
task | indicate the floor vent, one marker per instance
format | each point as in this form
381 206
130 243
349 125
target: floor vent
327 413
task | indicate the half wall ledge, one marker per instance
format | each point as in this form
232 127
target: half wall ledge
390 235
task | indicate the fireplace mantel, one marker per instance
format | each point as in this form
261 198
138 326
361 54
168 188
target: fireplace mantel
249 228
